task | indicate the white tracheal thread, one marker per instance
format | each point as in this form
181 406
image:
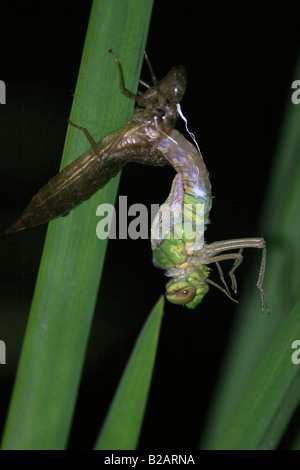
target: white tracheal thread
186 126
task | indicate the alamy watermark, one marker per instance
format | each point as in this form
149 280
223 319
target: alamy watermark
166 221
2 92
296 94
2 352
295 357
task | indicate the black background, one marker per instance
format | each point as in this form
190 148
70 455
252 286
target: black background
240 60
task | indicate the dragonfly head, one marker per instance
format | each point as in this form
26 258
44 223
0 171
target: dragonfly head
189 291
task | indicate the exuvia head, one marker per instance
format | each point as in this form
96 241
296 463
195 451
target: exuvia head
167 92
164 93
173 85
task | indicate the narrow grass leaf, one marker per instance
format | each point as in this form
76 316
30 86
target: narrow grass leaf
46 386
269 400
123 424
280 225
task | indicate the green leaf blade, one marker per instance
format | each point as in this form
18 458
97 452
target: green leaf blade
253 333
257 422
124 421
46 386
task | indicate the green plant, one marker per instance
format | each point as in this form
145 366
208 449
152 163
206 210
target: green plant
252 337
50 367
259 386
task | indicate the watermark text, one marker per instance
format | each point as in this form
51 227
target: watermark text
296 94
2 352
184 221
2 92
295 357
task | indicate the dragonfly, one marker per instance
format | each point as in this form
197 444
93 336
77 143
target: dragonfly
182 253
149 137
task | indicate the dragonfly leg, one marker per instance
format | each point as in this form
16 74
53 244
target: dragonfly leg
217 259
153 76
236 264
209 281
260 280
226 290
124 90
87 134
222 276
145 84
217 247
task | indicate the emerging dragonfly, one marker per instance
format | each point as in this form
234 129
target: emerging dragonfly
149 137
183 252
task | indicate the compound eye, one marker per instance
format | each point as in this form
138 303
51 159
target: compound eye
183 296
